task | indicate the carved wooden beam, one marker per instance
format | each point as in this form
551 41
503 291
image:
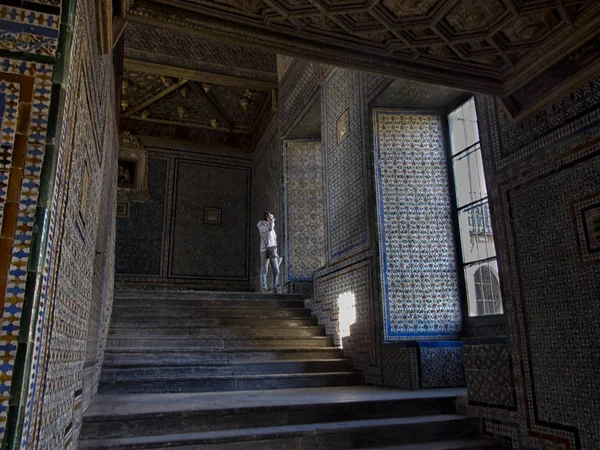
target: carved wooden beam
105 30
197 75
118 27
154 98
212 105
191 125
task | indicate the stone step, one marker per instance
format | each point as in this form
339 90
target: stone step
158 304
207 313
200 295
344 435
454 444
230 383
150 414
167 356
112 373
151 321
214 333
220 344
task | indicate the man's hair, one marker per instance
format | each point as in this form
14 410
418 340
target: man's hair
266 215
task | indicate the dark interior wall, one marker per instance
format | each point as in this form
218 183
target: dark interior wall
168 241
543 177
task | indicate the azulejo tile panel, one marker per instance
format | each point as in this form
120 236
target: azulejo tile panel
23 30
416 245
541 173
305 209
441 364
24 102
345 165
489 375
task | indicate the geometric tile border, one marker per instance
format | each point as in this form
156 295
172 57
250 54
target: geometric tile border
24 159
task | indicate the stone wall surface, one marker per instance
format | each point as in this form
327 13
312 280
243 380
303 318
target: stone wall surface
167 240
58 283
544 189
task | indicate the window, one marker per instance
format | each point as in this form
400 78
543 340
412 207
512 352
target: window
478 251
487 292
347 314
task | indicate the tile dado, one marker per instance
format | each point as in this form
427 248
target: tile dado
25 89
27 31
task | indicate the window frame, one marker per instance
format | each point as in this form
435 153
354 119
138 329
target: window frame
468 321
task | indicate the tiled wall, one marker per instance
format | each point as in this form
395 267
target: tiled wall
544 186
304 209
419 281
59 165
347 225
166 241
266 193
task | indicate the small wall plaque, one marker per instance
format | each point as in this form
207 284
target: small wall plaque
123 210
132 179
343 127
591 224
212 216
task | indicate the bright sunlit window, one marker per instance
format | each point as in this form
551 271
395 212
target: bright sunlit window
478 250
347 313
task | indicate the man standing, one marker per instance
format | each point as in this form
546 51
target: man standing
268 251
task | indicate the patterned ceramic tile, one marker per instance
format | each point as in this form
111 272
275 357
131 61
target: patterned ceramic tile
417 255
441 364
23 30
305 209
540 172
345 165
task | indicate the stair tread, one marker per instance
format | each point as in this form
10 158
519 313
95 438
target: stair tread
438 445
228 363
145 351
244 377
131 405
277 431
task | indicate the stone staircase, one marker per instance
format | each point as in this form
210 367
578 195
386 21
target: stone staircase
190 370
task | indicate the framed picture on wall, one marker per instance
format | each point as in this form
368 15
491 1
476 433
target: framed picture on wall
343 127
123 209
212 216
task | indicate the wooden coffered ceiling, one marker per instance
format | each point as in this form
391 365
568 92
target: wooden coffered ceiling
163 96
490 46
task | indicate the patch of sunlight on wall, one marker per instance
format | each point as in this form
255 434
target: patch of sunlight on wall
347 314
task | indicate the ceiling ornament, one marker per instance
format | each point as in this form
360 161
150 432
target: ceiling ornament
179 101
490 46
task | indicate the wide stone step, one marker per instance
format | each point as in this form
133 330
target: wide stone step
207 313
200 295
220 344
332 435
215 333
454 444
230 383
151 321
152 414
167 356
111 373
179 303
